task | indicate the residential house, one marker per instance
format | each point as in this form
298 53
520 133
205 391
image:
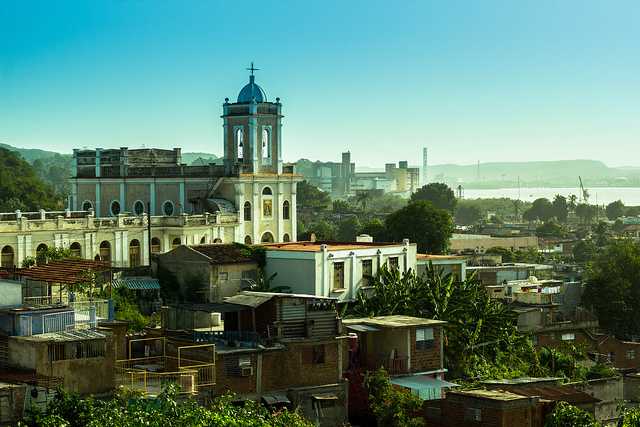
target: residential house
447 264
333 269
209 273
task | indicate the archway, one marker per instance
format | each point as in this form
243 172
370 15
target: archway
286 238
155 245
6 257
247 240
105 251
76 250
134 253
267 238
175 243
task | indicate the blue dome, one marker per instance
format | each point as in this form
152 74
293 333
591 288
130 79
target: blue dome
251 91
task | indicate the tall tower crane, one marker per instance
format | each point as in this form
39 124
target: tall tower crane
585 193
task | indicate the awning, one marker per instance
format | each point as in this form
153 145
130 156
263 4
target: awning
363 328
424 386
136 283
275 399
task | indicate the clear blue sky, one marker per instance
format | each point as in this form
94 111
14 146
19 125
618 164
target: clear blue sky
473 80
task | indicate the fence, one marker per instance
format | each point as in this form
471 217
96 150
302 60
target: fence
57 322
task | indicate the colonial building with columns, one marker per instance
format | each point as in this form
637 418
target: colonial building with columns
251 183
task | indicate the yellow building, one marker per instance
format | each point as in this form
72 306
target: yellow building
252 183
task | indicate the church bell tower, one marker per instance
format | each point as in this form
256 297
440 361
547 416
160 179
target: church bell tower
252 131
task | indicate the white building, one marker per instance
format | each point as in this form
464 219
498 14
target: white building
337 270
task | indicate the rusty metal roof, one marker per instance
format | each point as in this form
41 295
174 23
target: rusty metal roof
68 271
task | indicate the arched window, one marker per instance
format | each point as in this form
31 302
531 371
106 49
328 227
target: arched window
155 245
285 210
286 238
87 205
267 238
6 257
134 253
266 143
167 208
240 143
105 251
267 202
175 243
115 208
203 240
247 240
247 211
41 248
138 207
217 240
76 250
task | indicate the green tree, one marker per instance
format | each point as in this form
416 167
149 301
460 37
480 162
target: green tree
551 229
565 415
422 223
560 208
615 210
348 229
21 188
439 194
311 197
584 251
541 209
323 230
342 207
392 407
585 212
376 229
467 214
613 288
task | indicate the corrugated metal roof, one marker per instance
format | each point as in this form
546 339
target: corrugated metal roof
395 321
363 328
247 299
136 283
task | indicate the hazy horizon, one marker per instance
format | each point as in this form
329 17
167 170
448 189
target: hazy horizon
491 82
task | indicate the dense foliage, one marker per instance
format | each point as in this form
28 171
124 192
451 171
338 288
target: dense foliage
68 410
615 210
439 194
422 223
613 288
565 415
21 188
392 406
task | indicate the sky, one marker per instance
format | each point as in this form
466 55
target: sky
491 80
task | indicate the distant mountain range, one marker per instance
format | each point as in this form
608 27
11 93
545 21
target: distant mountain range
559 173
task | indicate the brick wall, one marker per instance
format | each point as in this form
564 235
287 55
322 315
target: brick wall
295 366
427 359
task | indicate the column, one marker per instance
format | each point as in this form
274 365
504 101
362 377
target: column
74 196
279 160
123 198
152 198
239 230
253 142
98 200
124 242
354 277
181 196
28 249
87 247
277 212
145 247
20 252
257 213
117 253
293 214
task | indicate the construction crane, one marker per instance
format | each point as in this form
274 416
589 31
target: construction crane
585 193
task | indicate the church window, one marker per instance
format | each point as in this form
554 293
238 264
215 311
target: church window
87 205
240 143
247 211
115 208
167 208
176 242
286 238
267 202
155 245
105 251
247 240
134 253
7 257
266 143
138 207
285 210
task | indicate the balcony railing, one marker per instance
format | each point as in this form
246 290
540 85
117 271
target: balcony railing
394 366
241 339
